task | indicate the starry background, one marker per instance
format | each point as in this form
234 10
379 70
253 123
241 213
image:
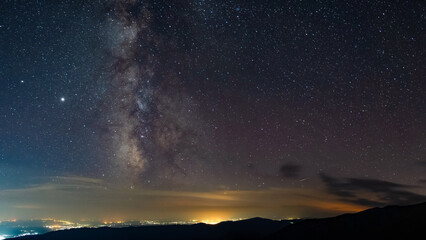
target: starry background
210 109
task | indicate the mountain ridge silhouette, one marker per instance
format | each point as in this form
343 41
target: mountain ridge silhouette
391 222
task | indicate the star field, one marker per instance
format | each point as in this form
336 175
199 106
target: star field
281 102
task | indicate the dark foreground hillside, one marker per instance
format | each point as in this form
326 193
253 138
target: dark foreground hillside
394 222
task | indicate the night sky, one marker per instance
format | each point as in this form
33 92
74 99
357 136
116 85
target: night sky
210 110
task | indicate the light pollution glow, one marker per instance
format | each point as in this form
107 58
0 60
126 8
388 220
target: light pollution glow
76 195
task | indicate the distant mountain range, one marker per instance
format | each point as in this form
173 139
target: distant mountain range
393 222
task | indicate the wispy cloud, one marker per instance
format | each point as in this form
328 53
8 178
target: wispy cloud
290 170
371 192
28 206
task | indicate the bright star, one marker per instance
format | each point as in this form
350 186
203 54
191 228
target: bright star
62 99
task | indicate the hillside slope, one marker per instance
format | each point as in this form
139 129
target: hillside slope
393 222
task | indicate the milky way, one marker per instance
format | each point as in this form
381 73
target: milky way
149 119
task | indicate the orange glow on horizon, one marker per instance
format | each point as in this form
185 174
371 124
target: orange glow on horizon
339 207
212 221
213 217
